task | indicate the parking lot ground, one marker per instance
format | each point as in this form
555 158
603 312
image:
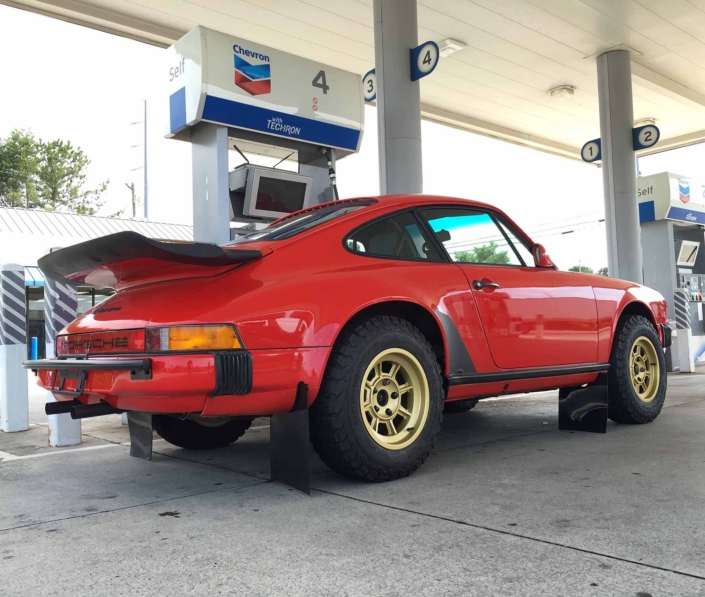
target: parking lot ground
506 505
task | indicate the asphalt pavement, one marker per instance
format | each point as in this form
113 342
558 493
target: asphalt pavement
506 505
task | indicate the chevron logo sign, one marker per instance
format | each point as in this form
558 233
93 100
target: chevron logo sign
684 191
253 78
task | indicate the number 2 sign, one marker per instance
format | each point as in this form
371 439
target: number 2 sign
424 59
644 137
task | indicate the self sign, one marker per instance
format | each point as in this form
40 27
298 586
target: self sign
592 151
646 136
424 59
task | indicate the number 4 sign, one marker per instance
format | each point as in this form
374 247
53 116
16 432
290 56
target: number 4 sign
424 59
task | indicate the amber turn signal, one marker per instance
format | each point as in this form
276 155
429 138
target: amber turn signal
193 338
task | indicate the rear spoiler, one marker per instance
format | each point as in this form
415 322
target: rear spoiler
128 258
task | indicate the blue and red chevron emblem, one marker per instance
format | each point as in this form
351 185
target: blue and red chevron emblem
253 78
684 191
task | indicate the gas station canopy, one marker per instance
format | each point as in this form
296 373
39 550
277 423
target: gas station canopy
517 51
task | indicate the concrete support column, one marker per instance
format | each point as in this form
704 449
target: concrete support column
14 400
398 98
211 195
614 80
60 309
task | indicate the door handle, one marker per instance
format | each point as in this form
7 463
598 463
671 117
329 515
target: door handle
480 284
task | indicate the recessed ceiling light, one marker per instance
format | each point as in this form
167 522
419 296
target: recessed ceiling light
644 122
562 93
450 46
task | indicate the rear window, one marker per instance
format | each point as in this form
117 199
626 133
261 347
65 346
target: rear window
302 222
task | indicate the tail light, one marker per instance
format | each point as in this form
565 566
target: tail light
192 338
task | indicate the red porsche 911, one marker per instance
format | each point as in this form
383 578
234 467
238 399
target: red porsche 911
390 310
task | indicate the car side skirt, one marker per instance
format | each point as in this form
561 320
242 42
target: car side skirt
520 374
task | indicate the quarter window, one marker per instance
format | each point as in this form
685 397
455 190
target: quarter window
472 236
398 236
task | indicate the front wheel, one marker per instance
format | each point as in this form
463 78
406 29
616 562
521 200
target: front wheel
380 406
637 376
191 435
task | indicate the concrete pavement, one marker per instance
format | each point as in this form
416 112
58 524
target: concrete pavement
507 505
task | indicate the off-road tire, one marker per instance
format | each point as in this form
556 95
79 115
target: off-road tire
624 404
337 430
459 406
188 434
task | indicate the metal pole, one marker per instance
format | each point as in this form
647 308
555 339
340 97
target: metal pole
14 399
146 203
398 98
614 80
211 193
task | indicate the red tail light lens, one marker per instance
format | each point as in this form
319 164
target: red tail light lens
123 341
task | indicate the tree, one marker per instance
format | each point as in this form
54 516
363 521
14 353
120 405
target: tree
488 253
19 161
603 271
61 178
51 176
583 269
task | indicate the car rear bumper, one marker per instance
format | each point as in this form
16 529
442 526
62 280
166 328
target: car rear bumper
237 383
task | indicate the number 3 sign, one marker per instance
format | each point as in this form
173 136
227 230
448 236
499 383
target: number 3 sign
369 86
424 59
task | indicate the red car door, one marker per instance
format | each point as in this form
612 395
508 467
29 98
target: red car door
532 317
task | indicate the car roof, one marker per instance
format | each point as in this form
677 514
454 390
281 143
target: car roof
385 201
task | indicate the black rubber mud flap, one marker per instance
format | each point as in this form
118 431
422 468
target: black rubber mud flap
140 425
584 408
289 445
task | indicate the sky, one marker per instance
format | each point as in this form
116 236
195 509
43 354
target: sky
74 83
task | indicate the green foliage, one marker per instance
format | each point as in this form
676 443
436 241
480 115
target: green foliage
603 271
583 269
488 253
19 162
46 175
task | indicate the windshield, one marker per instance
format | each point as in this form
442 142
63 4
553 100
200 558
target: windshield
297 224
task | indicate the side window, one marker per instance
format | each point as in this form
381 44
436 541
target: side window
471 236
398 236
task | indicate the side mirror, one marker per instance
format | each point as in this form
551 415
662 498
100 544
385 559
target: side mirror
541 258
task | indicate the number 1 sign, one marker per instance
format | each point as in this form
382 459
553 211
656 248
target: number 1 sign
592 151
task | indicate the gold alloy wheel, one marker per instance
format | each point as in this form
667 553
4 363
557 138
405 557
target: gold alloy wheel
644 369
394 399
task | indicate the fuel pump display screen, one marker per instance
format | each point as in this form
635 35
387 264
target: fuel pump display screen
282 196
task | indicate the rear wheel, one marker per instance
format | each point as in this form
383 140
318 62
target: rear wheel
637 376
193 435
380 406
459 406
